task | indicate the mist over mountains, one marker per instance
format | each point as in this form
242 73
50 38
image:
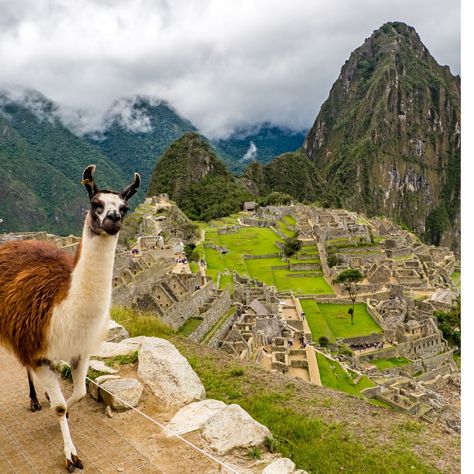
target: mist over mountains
386 141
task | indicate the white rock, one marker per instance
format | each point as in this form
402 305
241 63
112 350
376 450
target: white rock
101 367
112 349
280 466
116 332
168 373
93 387
193 416
128 390
232 427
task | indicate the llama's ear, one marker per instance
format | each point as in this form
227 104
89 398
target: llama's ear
131 189
88 180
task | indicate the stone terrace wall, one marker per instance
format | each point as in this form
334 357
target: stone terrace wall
218 308
188 306
223 330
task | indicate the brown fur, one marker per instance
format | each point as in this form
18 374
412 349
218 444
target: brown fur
34 277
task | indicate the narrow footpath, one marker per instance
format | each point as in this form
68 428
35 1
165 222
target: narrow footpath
128 443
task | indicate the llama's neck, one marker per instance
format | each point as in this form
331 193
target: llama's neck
92 275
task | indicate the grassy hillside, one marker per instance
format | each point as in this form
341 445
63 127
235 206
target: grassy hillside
42 164
323 431
193 176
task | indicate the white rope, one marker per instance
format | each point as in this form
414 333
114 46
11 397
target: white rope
210 456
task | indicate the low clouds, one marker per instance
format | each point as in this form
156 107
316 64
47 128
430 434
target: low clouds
222 64
251 153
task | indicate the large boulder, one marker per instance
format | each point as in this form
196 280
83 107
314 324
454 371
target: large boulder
168 373
116 392
193 416
116 332
232 427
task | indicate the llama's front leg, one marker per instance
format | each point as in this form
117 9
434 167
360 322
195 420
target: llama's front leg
79 368
50 382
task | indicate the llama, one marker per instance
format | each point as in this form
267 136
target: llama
55 307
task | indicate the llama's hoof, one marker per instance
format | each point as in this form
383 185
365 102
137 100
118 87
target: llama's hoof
35 405
77 462
73 463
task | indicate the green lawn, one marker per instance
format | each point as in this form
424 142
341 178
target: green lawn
333 376
383 364
333 321
306 285
189 326
259 241
456 279
285 229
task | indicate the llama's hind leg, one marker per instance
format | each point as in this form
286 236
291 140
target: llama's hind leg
50 382
79 368
35 405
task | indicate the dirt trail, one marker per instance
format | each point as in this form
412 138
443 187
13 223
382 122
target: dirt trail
32 442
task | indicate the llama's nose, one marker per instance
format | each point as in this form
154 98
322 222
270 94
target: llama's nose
114 216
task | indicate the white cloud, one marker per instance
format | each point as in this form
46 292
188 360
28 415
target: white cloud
221 63
251 153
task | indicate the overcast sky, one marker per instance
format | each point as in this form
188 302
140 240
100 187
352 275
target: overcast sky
220 63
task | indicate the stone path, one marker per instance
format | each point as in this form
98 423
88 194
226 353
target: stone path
32 442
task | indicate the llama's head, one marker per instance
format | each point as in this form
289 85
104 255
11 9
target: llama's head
108 208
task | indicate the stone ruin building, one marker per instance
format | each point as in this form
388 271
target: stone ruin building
270 331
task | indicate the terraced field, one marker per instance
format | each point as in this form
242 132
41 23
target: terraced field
334 322
240 249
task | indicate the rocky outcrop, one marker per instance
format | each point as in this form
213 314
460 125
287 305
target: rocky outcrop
232 427
168 374
116 332
192 417
387 139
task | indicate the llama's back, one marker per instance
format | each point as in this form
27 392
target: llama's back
34 278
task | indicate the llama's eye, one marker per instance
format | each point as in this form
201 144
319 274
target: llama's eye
123 210
97 206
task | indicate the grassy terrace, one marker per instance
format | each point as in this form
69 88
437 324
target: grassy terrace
323 431
257 241
333 321
383 364
189 326
335 377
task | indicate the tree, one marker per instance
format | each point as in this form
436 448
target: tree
349 279
323 341
291 246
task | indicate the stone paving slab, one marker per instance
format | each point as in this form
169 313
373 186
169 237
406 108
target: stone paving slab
32 442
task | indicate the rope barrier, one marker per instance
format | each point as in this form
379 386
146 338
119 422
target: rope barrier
163 427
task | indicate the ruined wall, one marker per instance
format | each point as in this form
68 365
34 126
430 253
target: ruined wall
218 308
188 306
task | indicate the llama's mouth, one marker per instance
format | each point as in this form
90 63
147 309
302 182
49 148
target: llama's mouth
111 227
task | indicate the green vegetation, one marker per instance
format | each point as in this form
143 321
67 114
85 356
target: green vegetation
449 323
333 321
132 151
291 246
297 415
42 164
257 241
348 280
140 323
193 176
383 364
189 326
335 377
122 359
